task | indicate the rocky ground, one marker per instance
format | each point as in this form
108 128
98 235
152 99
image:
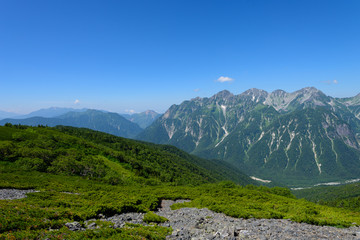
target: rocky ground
10 194
193 223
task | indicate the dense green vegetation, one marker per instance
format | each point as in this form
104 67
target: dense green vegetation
166 158
55 204
345 196
111 159
151 217
80 174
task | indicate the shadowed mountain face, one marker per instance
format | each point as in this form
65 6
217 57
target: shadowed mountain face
297 138
107 122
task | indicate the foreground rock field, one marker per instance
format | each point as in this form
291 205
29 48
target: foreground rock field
193 223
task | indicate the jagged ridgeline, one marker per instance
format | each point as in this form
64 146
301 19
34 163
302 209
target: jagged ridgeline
101 156
297 138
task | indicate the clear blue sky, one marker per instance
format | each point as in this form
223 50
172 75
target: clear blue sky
137 55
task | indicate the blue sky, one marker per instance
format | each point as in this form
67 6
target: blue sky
138 55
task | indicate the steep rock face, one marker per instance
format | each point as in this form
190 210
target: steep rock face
300 136
306 97
307 144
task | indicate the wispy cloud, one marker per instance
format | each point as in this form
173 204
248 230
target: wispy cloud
224 79
131 111
197 89
77 101
329 82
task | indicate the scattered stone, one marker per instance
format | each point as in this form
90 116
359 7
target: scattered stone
71 193
91 226
11 194
193 223
74 226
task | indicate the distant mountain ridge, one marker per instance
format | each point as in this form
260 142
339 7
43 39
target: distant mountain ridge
299 137
50 112
143 119
5 114
112 123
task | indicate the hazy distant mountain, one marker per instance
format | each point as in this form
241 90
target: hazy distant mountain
107 122
298 137
143 119
50 112
4 114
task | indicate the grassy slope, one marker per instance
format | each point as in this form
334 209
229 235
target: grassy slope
74 151
53 206
343 196
116 182
216 169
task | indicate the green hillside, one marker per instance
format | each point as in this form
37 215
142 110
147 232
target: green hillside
97 155
81 173
345 196
55 205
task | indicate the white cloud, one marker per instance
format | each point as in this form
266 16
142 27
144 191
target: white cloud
224 79
77 101
329 82
197 89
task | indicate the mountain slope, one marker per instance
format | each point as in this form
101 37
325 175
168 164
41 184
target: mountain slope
143 119
177 159
92 177
84 152
107 122
295 138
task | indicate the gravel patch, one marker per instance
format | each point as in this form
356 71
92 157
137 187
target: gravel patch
11 194
193 223
196 224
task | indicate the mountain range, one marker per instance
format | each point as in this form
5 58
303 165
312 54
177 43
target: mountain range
301 137
93 119
143 119
124 125
4 114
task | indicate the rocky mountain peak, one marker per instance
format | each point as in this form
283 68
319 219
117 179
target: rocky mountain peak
224 94
279 93
255 92
278 135
150 112
310 91
355 101
254 95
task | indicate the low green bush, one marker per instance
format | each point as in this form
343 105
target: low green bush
151 217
